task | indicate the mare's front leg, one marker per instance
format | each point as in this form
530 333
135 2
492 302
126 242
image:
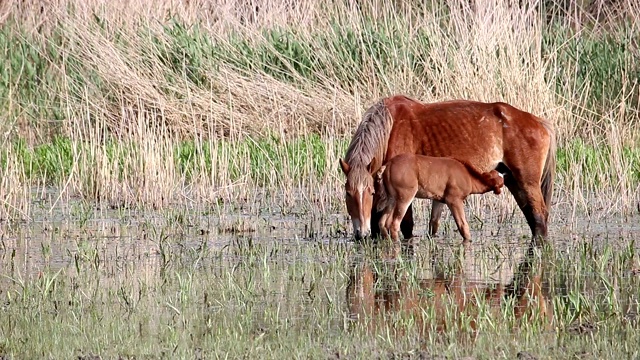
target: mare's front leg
406 225
375 221
457 210
436 213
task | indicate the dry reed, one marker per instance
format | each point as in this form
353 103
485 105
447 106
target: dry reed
491 51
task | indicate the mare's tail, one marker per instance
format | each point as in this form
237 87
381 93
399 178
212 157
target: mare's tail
549 170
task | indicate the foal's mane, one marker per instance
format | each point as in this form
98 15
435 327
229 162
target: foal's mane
371 138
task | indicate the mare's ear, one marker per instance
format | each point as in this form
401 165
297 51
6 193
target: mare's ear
344 166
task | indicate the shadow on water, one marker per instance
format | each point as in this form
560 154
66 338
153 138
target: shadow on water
440 289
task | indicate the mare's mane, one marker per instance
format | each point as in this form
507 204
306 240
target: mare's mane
371 138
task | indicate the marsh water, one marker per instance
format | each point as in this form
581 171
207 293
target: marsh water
154 279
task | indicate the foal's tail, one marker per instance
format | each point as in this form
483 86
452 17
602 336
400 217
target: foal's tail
549 170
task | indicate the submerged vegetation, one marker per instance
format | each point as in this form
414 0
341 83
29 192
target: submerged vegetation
198 292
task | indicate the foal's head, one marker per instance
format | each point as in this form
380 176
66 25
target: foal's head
359 190
494 180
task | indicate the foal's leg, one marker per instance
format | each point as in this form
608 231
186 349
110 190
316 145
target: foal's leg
384 222
401 209
436 213
457 210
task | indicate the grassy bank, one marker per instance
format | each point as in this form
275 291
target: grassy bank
114 174
204 99
258 78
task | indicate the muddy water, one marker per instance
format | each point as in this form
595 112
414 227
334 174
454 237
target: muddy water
54 240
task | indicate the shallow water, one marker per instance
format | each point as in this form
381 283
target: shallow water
123 237
301 266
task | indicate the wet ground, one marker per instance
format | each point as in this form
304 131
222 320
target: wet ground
118 237
596 259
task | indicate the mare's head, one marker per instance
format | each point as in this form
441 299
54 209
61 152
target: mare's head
359 190
494 180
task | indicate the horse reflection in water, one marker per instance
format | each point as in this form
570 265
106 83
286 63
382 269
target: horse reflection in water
378 294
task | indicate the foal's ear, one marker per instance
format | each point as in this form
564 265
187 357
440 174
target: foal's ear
344 166
369 167
380 171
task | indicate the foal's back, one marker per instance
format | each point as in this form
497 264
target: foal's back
431 177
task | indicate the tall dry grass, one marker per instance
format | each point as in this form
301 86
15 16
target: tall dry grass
137 78
15 192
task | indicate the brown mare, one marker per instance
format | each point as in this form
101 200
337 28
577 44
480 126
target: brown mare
446 180
485 135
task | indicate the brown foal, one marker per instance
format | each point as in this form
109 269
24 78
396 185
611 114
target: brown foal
446 180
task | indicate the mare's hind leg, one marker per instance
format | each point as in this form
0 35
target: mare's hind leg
406 226
457 210
436 213
529 197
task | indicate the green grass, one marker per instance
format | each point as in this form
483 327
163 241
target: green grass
600 65
272 157
596 163
304 157
267 157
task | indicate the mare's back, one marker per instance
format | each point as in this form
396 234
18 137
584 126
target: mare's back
458 128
